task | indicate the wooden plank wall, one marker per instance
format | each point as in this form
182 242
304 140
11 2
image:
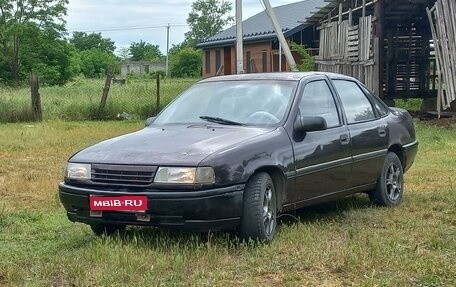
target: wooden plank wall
350 50
443 25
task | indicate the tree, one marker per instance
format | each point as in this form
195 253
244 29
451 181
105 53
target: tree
50 57
124 53
207 18
83 42
186 62
143 51
176 48
17 18
94 62
95 53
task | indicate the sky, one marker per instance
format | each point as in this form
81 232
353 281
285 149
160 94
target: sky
94 16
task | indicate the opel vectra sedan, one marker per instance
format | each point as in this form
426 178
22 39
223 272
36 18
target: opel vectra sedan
233 152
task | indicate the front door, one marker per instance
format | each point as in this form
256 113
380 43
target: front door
322 158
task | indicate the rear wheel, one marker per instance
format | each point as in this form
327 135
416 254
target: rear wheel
107 229
390 185
259 218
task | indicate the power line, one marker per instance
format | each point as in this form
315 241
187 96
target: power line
115 29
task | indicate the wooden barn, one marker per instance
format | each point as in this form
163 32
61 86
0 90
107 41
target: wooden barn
398 48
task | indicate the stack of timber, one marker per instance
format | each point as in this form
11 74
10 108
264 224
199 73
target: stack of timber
442 17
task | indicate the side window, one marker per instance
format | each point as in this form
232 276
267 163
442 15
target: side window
356 104
317 100
379 106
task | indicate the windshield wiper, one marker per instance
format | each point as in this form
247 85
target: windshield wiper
221 121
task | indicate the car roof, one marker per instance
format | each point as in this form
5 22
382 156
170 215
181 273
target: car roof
283 76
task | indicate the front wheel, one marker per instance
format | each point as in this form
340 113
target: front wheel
259 218
390 185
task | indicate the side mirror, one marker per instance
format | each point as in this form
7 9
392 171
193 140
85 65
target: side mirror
309 124
149 121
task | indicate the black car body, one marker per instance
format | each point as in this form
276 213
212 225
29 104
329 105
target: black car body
307 158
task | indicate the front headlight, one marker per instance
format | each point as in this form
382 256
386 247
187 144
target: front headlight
78 171
185 175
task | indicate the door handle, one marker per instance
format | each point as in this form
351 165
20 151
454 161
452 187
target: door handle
344 139
382 131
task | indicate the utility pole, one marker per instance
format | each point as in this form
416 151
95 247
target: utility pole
167 49
239 38
280 35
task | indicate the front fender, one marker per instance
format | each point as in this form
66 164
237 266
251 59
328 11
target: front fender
237 164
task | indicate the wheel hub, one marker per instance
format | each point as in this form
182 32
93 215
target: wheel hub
268 211
394 182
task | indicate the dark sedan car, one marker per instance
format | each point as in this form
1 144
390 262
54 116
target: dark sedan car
233 152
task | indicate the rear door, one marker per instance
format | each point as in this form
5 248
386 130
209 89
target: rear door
368 132
322 158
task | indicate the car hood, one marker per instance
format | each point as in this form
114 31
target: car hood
168 145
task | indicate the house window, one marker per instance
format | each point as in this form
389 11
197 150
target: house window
249 65
208 61
218 60
265 62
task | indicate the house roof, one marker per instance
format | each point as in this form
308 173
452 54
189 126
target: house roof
259 27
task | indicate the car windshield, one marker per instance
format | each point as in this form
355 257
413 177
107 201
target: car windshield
231 103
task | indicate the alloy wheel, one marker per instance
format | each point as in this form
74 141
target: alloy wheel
394 182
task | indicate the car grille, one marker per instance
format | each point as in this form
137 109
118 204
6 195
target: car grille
123 174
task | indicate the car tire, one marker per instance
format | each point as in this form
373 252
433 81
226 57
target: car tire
390 185
109 229
259 217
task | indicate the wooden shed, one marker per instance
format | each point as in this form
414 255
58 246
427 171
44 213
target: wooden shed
391 45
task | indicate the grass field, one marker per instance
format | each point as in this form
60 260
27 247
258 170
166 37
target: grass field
345 243
80 99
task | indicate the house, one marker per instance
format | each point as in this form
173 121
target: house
141 67
261 46
395 47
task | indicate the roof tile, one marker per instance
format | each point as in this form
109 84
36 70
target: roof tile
288 16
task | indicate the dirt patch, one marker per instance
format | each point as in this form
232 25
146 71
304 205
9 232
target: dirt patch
431 119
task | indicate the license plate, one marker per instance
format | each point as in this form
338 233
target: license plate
118 203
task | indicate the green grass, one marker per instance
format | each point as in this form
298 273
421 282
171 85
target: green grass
344 243
410 104
80 99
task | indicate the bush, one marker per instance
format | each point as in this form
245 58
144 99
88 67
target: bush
186 63
307 61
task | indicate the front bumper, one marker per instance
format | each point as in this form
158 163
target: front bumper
215 209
